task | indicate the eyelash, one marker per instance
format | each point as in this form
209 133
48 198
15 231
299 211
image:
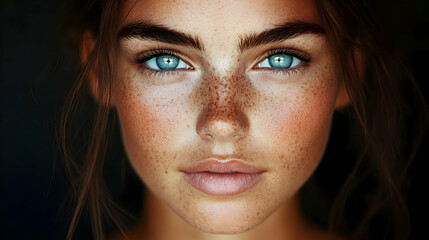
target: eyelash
143 57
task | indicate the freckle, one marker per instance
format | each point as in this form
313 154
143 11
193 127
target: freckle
166 172
187 125
258 213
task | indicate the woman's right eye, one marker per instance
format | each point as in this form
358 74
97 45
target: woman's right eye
166 62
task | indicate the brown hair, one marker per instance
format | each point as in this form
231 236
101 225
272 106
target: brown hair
353 27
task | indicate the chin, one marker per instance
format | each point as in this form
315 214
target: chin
220 226
225 217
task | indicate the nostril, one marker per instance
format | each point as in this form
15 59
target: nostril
237 137
221 129
208 136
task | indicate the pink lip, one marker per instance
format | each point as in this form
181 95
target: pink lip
225 177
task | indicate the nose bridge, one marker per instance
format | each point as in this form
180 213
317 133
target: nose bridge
222 94
222 118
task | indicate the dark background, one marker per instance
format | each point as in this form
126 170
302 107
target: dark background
35 75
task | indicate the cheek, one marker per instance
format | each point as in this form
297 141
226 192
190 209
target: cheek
294 122
147 121
300 119
140 128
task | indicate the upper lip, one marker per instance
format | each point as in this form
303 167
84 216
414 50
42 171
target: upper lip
222 165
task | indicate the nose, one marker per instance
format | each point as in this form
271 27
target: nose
222 118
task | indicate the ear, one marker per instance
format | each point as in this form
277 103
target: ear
343 98
86 47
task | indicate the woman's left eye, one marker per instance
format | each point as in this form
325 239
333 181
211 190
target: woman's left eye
280 61
166 62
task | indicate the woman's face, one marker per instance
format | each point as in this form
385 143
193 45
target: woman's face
225 106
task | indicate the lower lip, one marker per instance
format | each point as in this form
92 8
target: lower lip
222 184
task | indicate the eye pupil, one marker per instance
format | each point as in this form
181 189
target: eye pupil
280 61
167 62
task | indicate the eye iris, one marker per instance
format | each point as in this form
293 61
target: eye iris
280 61
167 62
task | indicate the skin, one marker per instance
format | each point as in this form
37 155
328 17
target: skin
278 122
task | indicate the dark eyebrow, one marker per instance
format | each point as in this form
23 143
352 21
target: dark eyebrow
279 33
145 30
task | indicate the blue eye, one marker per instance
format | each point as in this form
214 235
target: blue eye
166 62
280 61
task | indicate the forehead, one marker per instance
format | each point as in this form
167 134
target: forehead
219 17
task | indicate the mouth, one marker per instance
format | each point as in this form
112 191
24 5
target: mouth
222 177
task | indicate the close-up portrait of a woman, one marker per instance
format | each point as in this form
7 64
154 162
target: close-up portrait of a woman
191 119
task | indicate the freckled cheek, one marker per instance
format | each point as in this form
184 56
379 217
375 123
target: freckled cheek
146 130
139 135
297 127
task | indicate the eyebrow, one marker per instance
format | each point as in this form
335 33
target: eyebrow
161 33
157 32
280 33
